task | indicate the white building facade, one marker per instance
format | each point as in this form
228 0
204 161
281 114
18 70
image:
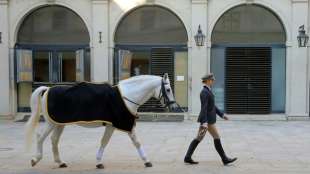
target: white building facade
251 47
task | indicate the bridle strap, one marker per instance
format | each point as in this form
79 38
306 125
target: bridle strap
131 101
164 95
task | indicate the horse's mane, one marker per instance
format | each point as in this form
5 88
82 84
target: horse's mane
135 79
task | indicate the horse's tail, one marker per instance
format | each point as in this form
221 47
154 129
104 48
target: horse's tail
35 104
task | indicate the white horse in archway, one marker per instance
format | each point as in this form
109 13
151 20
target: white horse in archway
135 92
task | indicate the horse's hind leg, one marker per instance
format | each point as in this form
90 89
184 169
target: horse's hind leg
140 149
55 139
104 141
40 140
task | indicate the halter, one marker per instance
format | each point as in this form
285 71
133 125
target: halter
163 94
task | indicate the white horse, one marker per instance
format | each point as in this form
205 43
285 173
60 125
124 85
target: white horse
136 91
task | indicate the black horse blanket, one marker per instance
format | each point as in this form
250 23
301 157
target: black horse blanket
88 102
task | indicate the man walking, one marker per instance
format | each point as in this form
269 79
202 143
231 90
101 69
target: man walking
207 120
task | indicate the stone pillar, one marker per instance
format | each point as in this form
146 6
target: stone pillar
100 34
297 64
199 64
307 28
5 108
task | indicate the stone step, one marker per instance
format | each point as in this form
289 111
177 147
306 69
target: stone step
147 117
161 117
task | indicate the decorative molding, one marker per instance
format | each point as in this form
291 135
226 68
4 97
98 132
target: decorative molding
100 1
299 1
209 44
199 1
4 2
51 2
249 1
150 1
289 44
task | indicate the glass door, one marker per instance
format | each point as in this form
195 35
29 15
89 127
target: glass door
48 66
41 73
41 66
130 63
67 66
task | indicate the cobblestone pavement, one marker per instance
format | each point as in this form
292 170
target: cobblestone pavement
261 147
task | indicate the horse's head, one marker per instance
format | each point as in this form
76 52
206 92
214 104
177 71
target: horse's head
164 93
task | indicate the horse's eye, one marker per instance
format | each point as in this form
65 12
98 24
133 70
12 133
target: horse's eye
168 90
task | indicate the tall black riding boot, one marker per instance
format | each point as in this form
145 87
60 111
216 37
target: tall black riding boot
188 157
219 149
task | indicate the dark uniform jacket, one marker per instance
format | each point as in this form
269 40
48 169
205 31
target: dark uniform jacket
208 109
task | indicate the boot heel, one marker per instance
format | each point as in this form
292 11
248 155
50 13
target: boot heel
229 160
220 151
188 157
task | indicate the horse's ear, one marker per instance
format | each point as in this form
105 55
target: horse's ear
165 76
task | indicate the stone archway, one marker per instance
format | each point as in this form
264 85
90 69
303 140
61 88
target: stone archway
52 47
157 40
248 43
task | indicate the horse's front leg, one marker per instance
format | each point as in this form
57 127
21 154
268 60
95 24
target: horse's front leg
104 141
140 149
55 139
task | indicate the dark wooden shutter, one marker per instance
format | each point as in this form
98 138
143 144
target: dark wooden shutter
162 61
236 81
248 80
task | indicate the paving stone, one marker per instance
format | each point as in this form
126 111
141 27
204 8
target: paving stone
271 147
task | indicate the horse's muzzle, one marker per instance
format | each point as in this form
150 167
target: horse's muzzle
174 107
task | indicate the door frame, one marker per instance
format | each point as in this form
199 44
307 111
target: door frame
48 48
140 47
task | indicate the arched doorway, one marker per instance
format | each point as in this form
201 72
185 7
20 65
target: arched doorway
248 59
152 40
52 48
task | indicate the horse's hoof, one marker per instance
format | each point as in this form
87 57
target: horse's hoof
148 164
99 166
33 162
63 165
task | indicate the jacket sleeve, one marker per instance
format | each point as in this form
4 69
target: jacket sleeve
218 112
204 106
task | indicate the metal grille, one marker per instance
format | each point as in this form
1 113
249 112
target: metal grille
161 62
248 80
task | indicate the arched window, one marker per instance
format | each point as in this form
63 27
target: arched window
248 24
52 47
53 25
155 40
151 25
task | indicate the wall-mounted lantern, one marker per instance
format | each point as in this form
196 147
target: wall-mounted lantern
199 37
302 37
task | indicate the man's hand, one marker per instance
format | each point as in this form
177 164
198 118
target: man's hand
205 125
225 117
